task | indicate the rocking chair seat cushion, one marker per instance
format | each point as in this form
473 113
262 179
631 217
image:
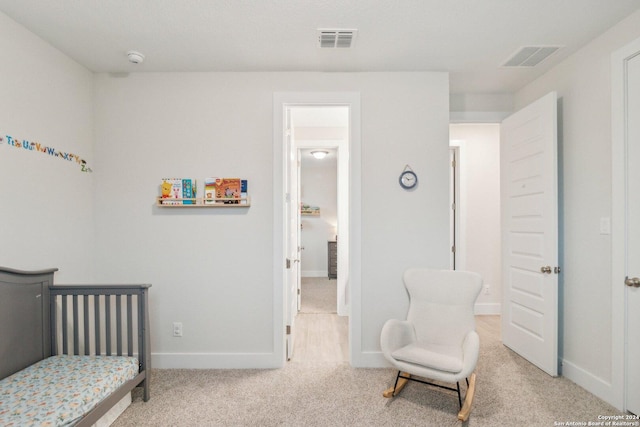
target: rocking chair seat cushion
440 357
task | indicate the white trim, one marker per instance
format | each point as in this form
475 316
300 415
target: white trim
618 220
478 116
373 359
214 361
280 101
588 381
461 214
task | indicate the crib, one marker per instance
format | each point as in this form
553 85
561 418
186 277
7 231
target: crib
72 354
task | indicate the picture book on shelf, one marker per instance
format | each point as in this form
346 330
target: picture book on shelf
243 191
176 189
188 191
222 190
210 191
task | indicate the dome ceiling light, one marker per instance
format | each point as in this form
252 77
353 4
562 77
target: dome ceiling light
319 154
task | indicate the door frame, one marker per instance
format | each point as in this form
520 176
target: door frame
281 100
456 225
619 167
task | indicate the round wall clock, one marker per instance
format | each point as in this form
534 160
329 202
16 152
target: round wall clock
408 179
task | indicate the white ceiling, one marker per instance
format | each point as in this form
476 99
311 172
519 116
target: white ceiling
468 38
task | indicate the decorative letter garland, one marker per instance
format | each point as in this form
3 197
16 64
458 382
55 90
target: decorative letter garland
37 147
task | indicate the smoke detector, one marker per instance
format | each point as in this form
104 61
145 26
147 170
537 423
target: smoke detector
336 38
135 57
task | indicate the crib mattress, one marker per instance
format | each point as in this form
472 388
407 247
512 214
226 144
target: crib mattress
59 390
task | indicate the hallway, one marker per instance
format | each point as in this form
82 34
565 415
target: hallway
320 334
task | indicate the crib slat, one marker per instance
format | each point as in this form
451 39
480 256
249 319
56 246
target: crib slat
85 310
129 326
96 318
76 333
53 315
107 323
65 334
119 323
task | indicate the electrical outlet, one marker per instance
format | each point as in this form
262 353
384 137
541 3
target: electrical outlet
177 329
486 290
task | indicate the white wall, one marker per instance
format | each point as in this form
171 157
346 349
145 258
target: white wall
583 83
319 184
480 107
210 269
46 209
213 270
479 209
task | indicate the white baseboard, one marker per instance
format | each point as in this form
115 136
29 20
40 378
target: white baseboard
314 273
215 361
588 381
370 359
487 308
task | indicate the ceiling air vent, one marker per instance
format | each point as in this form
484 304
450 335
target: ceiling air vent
530 56
332 38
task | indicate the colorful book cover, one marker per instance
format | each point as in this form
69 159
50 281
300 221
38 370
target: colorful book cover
210 190
171 189
188 191
243 191
228 190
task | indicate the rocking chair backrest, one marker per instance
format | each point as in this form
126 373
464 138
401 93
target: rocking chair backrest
441 304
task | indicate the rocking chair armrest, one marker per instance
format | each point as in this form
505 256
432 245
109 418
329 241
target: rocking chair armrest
470 351
396 334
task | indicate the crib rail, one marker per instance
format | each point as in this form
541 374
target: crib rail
100 320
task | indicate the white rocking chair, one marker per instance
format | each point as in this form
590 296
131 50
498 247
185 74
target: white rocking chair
438 340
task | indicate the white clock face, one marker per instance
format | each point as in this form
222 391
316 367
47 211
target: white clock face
408 179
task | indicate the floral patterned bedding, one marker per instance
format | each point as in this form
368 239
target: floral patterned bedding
59 390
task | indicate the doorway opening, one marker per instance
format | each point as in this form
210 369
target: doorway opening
319 138
475 208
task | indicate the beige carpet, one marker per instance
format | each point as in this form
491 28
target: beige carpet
509 392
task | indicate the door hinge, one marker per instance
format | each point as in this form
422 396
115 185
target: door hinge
453 206
453 163
556 270
453 249
288 263
288 330
298 291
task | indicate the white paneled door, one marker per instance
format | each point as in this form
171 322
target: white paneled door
529 201
292 226
632 280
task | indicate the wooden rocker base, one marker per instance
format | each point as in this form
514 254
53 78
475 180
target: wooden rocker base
465 410
463 415
393 391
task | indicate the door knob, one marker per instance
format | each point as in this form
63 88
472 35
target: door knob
633 282
546 269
